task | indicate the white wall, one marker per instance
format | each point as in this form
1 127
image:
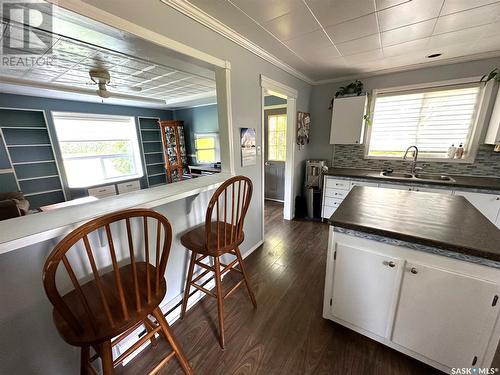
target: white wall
322 94
29 343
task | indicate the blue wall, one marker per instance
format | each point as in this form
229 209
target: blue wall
47 105
273 100
197 120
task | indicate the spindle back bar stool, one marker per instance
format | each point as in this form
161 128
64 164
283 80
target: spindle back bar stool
108 304
221 234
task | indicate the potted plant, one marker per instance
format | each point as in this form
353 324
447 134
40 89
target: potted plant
493 75
353 88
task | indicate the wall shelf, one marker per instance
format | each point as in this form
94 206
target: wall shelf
153 152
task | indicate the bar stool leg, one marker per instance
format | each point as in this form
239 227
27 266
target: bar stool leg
243 271
188 284
106 358
84 360
220 300
171 340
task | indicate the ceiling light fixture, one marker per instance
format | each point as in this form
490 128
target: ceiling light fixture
434 55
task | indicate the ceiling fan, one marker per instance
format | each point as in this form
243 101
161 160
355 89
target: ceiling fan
102 79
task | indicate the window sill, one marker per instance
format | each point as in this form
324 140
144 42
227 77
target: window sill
31 229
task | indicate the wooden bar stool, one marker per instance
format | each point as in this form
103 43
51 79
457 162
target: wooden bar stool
221 234
111 302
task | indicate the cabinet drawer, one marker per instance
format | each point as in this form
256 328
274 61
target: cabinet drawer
363 183
336 193
332 202
337 184
102 191
328 211
125 187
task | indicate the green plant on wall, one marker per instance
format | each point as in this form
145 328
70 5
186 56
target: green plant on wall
493 75
353 88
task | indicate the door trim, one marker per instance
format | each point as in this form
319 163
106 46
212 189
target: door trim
291 94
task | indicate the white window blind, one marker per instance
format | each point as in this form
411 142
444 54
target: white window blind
97 149
432 119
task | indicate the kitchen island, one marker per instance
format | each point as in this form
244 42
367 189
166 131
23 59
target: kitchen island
419 272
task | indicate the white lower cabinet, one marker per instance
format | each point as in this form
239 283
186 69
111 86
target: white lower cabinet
444 315
439 310
364 288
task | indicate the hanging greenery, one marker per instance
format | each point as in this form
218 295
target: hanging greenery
353 88
493 75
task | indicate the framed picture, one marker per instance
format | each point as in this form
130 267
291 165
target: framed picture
248 147
303 125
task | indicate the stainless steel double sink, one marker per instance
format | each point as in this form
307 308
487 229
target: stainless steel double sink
418 176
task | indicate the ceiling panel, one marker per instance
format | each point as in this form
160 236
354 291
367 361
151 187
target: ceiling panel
331 12
364 44
468 18
297 22
408 13
407 33
266 10
353 29
453 6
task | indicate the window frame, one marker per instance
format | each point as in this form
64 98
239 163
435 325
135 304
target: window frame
216 146
137 149
474 137
267 136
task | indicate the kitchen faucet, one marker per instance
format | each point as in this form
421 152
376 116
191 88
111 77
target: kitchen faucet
414 167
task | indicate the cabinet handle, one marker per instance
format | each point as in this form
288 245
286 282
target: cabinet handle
413 270
390 264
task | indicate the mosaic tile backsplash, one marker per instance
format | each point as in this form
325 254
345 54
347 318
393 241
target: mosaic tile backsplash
487 162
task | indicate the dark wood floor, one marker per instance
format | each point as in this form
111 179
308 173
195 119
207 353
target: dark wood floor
286 334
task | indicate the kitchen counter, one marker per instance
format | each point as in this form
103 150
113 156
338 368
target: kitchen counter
467 182
447 222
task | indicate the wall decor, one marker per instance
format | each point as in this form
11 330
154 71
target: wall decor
303 128
248 147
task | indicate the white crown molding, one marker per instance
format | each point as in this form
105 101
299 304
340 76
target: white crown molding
214 24
452 60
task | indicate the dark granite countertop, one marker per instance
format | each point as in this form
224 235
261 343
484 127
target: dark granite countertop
443 221
471 182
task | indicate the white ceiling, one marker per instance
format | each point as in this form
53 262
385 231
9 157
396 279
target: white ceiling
132 77
327 39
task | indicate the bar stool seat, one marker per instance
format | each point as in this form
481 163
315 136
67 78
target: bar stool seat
196 239
220 235
103 330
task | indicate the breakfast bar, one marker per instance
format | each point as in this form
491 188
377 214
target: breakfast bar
417 271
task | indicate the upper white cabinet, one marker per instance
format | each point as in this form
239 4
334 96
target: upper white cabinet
493 134
444 315
364 288
347 120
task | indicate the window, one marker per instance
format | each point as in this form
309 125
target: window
432 119
276 137
207 147
97 149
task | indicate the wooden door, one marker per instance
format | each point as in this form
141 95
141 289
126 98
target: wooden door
445 316
365 285
275 154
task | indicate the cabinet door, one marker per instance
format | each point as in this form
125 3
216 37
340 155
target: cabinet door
364 288
347 120
493 133
445 316
488 204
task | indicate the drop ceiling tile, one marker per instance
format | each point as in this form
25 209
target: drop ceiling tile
408 13
309 43
331 12
266 10
364 44
453 6
384 4
292 24
456 37
407 33
468 18
406 47
488 44
491 30
365 57
353 29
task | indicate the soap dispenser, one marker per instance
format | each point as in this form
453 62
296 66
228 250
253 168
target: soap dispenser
451 151
460 152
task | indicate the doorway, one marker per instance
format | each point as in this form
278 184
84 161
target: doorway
275 124
288 96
